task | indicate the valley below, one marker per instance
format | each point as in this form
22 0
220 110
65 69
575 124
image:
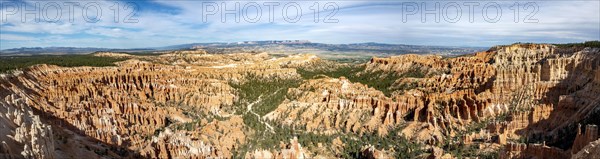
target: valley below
512 101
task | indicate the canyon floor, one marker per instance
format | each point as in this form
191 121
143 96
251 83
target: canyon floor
513 101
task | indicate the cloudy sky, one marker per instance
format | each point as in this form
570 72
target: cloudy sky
136 24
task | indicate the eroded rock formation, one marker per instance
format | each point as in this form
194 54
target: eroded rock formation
292 150
517 91
182 104
131 109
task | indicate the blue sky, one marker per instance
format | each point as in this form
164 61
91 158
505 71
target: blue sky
162 23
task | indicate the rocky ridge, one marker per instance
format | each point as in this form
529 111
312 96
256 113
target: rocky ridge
525 99
517 91
129 108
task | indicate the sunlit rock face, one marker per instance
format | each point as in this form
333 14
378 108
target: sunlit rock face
186 104
126 108
541 87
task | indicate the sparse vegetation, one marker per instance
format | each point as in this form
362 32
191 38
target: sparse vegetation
346 71
267 140
402 147
595 44
271 92
188 126
379 80
144 53
399 146
265 95
352 60
19 62
520 101
459 149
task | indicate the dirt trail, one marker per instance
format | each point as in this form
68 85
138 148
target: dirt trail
249 109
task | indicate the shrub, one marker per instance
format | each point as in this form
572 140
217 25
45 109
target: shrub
379 80
19 62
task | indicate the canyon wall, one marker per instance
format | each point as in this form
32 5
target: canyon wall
516 91
130 109
183 104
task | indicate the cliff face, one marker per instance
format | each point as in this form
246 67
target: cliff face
590 151
540 87
186 104
581 140
133 109
22 133
517 91
454 92
334 105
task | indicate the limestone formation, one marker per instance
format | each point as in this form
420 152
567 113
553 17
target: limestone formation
186 104
518 91
581 140
130 109
293 150
23 134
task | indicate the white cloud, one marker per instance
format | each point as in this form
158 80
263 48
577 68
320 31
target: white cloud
359 21
14 37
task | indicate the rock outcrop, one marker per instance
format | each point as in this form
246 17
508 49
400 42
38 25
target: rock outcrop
23 134
581 140
590 151
335 105
517 150
183 104
516 91
136 109
370 152
293 150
